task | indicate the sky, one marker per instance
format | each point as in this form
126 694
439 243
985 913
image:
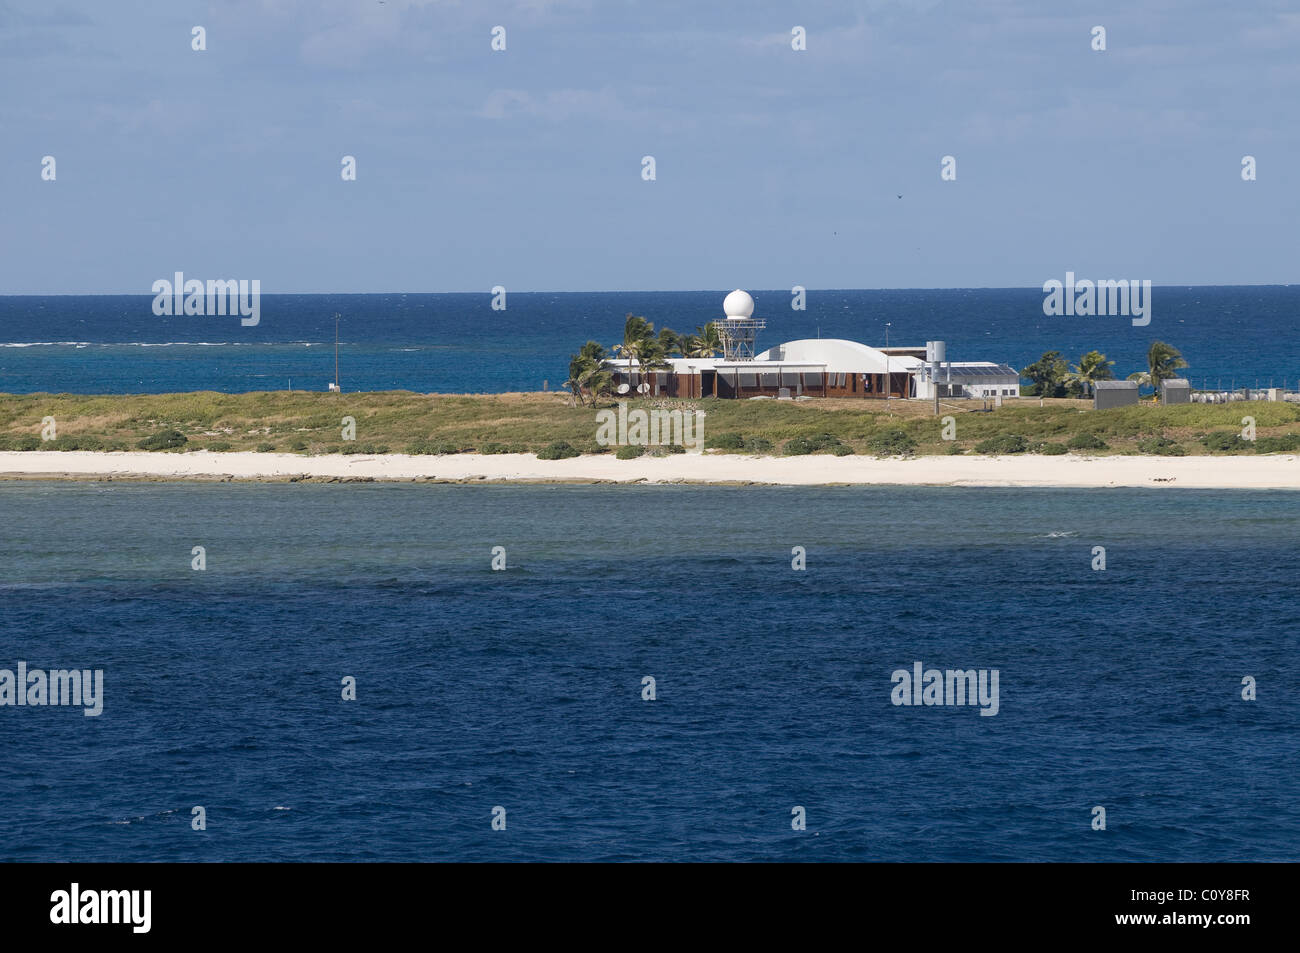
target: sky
523 168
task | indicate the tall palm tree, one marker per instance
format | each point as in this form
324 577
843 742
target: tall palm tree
638 340
589 373
652 357
670 341
1092 367
1163 362
705 342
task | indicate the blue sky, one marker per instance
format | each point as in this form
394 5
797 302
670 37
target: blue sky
523 168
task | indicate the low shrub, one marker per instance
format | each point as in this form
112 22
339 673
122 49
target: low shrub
891 443
757 445
1226 441
265 447
503 448
83 442
559 450
1161 447
629 452
163 440
219 447
1086 441
725 441
1052 449
810 443
1284 443
439 447
1003 443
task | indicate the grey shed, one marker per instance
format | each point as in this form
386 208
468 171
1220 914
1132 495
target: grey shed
1108 394
1176 390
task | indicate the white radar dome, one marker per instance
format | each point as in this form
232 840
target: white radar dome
738 304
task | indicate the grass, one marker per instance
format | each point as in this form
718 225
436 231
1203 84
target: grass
401 421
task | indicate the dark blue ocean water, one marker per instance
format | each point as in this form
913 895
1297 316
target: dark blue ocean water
456 343
523 688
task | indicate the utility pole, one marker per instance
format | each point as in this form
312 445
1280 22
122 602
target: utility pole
888 383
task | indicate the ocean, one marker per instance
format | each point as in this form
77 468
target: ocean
523 689
456 343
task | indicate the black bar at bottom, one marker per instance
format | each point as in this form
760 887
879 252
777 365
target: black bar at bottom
333 902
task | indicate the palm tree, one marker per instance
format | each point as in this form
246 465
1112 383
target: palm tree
638 340
1163 361
1092 367
1047 373
670 341
653 357
589 372
705 342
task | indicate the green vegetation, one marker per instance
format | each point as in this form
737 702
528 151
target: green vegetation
1086 441
1223 441
557 451
1003 443
891 443
1286 443
163 440
812 443
1161 446
1163 362
590 374
1092 367
311 423
630 452
1048 375
440 447
738 443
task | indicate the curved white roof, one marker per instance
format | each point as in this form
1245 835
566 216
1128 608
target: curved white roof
738 304
839 356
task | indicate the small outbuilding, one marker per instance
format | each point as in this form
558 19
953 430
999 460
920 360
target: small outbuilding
1107 394
1176 390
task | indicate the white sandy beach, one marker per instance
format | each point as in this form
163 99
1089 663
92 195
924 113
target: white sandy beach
1227 472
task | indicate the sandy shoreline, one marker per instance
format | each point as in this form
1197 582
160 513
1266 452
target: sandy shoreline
1280 471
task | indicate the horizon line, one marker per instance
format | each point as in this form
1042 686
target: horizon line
1035 288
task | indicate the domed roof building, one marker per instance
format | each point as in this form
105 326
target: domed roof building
813 367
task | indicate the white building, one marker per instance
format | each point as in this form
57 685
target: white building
815 367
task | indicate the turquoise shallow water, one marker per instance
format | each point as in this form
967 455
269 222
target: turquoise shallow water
522 688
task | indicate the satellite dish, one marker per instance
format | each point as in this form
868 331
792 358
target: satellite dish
622 388
643 388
